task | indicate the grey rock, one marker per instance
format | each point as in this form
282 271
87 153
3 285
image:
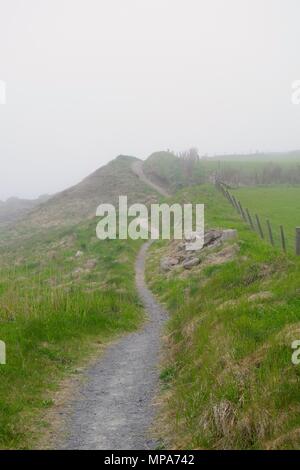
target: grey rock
190 263
211 236
166 264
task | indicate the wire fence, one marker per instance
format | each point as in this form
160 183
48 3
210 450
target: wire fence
264 228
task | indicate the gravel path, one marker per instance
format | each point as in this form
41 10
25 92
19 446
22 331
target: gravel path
115 408
137 169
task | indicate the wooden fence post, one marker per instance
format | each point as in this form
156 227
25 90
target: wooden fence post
250 219
270 233
259 226
236 204
298 241
283 244
242 211
230 199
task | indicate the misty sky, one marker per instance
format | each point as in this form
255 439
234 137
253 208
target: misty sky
90 79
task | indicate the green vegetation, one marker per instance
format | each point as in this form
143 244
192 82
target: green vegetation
62 294
177 172
279 204
228 379
174 172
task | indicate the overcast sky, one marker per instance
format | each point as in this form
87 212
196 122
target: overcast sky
90 79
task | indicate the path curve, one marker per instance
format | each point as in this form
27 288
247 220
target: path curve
115 408
137 168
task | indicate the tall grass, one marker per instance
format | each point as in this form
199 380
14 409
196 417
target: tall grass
54 307
229 382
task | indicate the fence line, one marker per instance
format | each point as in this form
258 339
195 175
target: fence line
246 215
270 233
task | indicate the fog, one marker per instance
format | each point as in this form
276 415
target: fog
87 80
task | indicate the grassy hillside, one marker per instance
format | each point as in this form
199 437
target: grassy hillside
55 309
228 378
229 381
63 293
14 208
79 202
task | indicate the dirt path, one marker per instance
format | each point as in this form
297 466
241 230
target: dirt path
137 169
115 407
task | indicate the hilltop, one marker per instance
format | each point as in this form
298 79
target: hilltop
80 202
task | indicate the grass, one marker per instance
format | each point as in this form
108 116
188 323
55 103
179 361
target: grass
54 308
169 171
280 204
253 169
228 380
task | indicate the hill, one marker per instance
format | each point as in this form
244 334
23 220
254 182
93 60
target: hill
63 295
228 380
80 202
15 208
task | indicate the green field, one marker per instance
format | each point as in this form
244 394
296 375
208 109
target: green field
279 204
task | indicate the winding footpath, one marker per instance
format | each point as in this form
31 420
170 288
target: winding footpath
137 169
115 408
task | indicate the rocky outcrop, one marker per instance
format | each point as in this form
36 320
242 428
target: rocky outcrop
180 254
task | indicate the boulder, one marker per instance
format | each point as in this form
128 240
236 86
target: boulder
190 263
211 236
167 263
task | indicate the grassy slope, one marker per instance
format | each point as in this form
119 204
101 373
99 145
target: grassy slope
279 204
54 308
79 202
228 377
